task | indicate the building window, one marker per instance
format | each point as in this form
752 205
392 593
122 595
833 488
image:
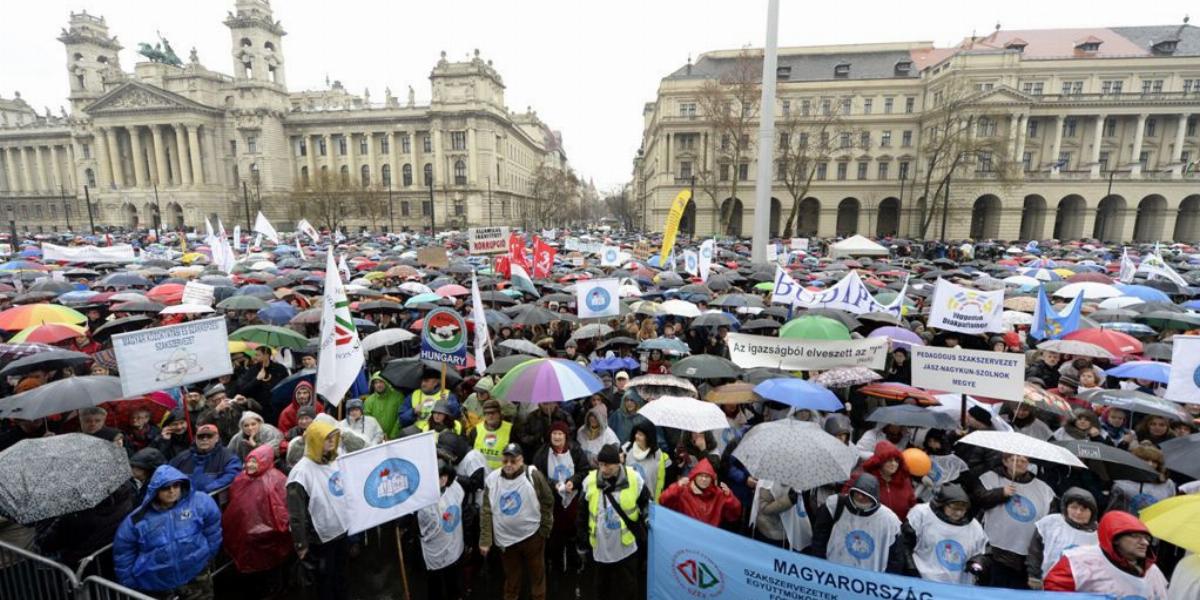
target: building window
1144 159
37 211
985 127
826 107
1064 160
841 71
304 176
687 110
87 150
983 164
864 140
345 176
824 140
885 139
428 174
301 147
685 169
459 208
384 145
822 171
862 170
743 171
1032 128
847 103
787 108
1069 126
458 140
1104 155
841 171
906 138
883 170
844 140
321 147
54 214
405 208
1110 127
90 175
254 172
805 107
364 144
252 144
1152 86
785 140
343 147
910 104
365 176
233 147
1027 162
460 173
803 140
1033 88
725 142
426 208
867 105
1151 127
405 143
1191 127
686 141
426 143
902 172
984 87
385 176
406 177
1111 86
888 103
1072 88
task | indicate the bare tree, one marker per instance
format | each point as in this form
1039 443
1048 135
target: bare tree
959 135
729 103
326 199
804 144
372 204
556 196
623 206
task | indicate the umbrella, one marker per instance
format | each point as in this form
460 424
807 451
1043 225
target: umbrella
50 333
546 380
654 385
1110 463
897 336
242 303
281 394
380 306
795 453
311 316
52 476
889 390
386 337
1143 369
1089 290
1183 455
1144 293
270 335
504 364
687 414
760 325
668 345
907 415
799 394
595 330
61 396
530 315
1164 319
277 313
617 341
814 327
1012 442
680 308
111 328
1157 351
739 392
28 315
841 377
706 366
11 352
45 361
406 373
1046 400
1135 401
523 347
1176 520
1076 347
187 309
1115 342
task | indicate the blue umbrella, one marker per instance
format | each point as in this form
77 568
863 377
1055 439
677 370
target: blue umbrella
1143 369
1192 304
607 364
798 393
1130 328
78 296
257 290
277 313
31 253
281 394
422 299
666 345
1143 292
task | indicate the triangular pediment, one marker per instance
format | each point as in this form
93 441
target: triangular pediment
1002 95
134 96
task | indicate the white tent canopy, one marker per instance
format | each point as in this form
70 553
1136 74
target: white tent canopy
856 245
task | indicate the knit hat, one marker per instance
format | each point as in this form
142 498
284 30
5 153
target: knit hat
491 404
213 390
485 385
306 411
559 426
354 403
980 414
609 455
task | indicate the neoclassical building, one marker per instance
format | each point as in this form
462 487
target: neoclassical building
1098 125
180 141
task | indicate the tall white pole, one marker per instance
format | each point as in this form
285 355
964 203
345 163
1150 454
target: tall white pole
766 139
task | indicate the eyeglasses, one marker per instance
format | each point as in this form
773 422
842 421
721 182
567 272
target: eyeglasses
206 436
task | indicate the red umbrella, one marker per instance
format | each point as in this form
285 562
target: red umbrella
167 293
1117 343
899 392
451 289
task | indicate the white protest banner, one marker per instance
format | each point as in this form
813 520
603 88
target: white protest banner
610 256
264 227
785 289
850 294
800 244
749 351
708 251
571 244
197 293
999 375
956 308
597 298
488 240
171 356
385 482
88 254
1182 386
691 263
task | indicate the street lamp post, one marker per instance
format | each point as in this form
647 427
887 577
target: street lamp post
391 209
246 203
432 210
66 208
87 199
157 213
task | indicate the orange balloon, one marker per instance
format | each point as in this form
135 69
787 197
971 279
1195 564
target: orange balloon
917 462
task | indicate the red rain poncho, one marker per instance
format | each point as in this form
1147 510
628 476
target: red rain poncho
255 523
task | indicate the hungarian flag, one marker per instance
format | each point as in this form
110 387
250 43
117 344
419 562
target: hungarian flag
516 250
522 281
341 356
543 258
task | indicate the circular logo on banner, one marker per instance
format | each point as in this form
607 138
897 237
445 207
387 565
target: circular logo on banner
951 555
1020 508
561 473
510 503
391 482
690 262
705 252
860 544
611 519
445 331
1196 376
697 574
610 255
598 299
935 472
451 518
335 484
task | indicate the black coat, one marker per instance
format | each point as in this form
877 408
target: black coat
71 537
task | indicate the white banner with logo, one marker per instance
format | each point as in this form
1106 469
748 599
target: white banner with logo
488 240
1185 369
88 254
597 298
850 294
749 351
385 482
610 256
999 375
171 356
956 308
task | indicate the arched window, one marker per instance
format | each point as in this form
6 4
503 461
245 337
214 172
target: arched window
304 176
345 176
269 46
460 173
78 57
406 174
385 175
428 174
90 175
246 43
365 175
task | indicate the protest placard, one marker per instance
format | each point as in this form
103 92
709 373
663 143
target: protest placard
385 482
171 356
433 256
88 254
197 293
999 375
749 351
488 240
961 309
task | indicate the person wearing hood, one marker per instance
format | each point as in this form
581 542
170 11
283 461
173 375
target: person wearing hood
856 530
209 465
594 434
255 522
1084 425
441 527
441 418
1133 496
361 423
383 403
895 483
254 432
943 536
517 517
303 396
1122 565
166 543
174 438
420 404
622 420
565 465
612 523
700 496
142 465
480 394
643 454
314 489
1024 420
1011 501
1074 526
782 516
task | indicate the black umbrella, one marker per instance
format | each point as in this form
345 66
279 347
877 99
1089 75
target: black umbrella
706 366
1183 455
406 373
908 415
618 341
44 361
534 315
111 328
380 306
1158 351
64 395
761 325
51 476
1110 463
505 364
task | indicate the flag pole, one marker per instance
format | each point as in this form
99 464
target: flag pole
400 554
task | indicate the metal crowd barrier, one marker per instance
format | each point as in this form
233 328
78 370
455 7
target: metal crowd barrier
99 588
27 576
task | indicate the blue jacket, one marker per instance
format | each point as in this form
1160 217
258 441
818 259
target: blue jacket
210 471
407 414
158 550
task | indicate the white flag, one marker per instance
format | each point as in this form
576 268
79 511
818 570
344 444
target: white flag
1128 269
961 309
1185 369
691 263
208 230
237 237
258 241
338 236
307 229
482 337
597 298
1156 266
341 356
708 251
343 268
385 482
220 228
263 226
610 256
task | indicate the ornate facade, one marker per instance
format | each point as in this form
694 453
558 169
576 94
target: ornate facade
181 142
1100 127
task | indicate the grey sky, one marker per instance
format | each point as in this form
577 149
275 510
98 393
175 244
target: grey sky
587 68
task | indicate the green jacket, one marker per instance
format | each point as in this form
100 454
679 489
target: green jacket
384 407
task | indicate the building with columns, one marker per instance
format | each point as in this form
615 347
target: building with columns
1098 125
181 142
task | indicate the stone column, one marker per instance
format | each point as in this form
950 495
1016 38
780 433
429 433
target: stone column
103 166
56 169
185 169
1022 132
172 151
1177 151
27 171
1097 138
394 157
329 152
1014 121
439 178
311 142
193 134
43 172
372 163
352 159
11 176
1056 149
139 159
472 156
1135 159
211 148
160 155
114 157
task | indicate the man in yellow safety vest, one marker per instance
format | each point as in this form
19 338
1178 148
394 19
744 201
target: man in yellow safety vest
491 435
616 499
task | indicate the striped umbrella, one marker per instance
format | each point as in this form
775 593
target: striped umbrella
542 380
28 315
50 333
